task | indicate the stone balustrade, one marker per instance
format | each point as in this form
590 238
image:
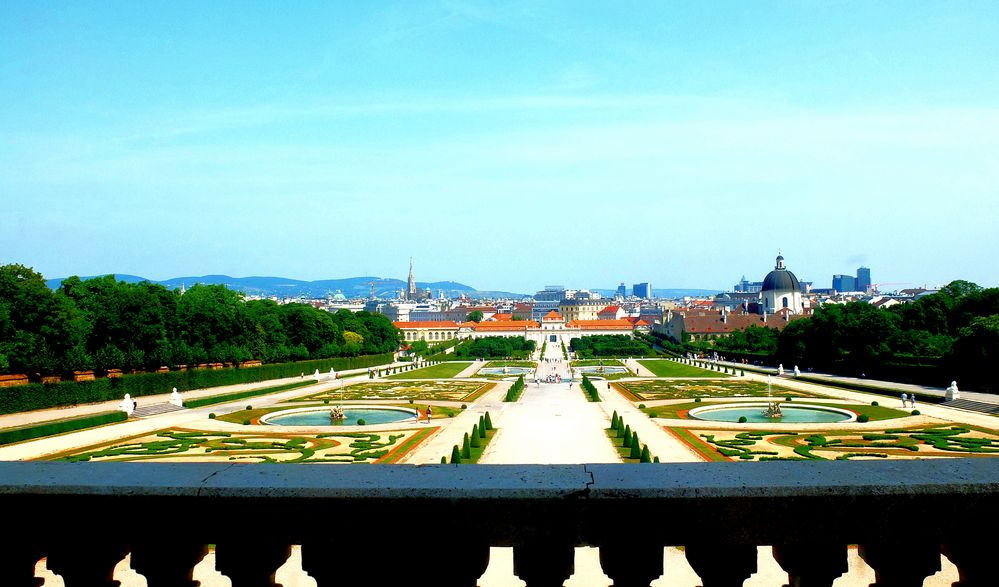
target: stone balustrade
372 525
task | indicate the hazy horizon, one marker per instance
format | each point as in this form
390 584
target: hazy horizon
505 147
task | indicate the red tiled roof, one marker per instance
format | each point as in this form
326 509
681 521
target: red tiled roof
712 323
610 309
426 324
601 324
552 315
504 325
502 317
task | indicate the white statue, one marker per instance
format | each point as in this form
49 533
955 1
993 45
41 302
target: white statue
332 373
127 405
175 399
780 370
316 374
952 392
797 371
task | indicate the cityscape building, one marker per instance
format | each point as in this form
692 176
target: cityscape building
843 283
864 279
642 290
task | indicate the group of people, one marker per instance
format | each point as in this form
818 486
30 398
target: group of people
552 378
429 414
911 399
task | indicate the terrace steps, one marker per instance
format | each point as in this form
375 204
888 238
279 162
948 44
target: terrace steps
155 410
972 406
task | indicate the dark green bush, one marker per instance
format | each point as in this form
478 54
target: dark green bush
361 422
742 419
489 423
627 436
34 396
464 406
246 422
863 418
248 408
655 460
482 427
875 403
455 455
697 400
788 398
443 460
211 416
50 428
915 412
646 456
614 420
641 406
636 451
474 442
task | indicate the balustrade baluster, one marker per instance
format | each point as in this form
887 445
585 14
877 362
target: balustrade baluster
811 564
974 562
544 563
632 564
901 563
17 562
722 565
251 564
168 563
87 562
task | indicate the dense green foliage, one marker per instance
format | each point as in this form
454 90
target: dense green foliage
51 428
102 324
609 345
496 347
754 339
590 390
513 394
36 396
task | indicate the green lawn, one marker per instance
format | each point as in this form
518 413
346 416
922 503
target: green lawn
441 371
665 368
597 363
500 364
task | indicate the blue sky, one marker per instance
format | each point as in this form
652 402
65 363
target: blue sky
504 146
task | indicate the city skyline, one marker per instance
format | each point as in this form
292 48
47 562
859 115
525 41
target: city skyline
682 145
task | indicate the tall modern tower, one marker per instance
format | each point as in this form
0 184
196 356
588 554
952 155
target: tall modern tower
411 290
863 279
642 290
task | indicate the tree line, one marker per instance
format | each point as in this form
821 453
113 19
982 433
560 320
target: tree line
951 334
103 324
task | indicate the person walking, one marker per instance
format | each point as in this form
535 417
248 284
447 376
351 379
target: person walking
905 400
429 412
912 400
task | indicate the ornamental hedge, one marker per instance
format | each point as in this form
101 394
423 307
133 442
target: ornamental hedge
51 428
36 396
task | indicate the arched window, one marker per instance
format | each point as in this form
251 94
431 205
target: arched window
785 301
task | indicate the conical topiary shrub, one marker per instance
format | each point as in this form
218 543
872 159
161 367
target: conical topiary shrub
620 425
646 456
482 428
455 456
627 436
636 450
466 448
614 420
443 460
474 443
489 423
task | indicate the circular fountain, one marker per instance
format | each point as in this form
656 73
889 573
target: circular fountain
338 416
760 413
601 370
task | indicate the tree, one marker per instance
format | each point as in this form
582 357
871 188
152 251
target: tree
474 316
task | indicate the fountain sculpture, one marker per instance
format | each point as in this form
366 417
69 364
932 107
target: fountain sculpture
773 407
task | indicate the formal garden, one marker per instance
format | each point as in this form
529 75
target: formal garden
667 368
251 446
650 390
865 412
928 441
456 391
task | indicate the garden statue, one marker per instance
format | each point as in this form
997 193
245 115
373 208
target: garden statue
127 405
797 371
780 370
952 392
332 373
336 413
175 399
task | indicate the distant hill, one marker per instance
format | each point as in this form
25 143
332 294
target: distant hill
351 287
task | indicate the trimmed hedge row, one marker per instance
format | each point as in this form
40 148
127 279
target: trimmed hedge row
590 389
228 397
36 396
513 394
51 428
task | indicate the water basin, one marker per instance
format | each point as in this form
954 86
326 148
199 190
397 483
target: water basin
321 416
792 414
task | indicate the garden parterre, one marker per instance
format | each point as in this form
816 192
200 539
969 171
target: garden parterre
685 388
403 390
183 445
936 441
